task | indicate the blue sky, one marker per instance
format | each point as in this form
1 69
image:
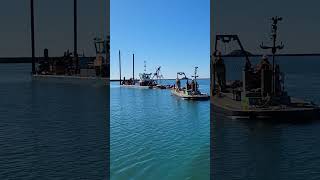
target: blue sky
53 26
173 34
299 29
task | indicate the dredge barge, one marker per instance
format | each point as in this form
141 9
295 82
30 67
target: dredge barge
72 67
146 80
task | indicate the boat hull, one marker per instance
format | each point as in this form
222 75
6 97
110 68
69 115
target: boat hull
135 86
144 87
288 114
200 97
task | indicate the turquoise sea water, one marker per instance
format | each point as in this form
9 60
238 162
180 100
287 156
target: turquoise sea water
155 135
51 130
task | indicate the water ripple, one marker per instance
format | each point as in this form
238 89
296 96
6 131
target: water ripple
156 136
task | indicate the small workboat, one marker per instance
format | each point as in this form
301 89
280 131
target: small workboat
261 92
191 90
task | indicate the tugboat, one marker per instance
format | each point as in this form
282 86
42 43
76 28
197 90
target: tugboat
190 91
261 93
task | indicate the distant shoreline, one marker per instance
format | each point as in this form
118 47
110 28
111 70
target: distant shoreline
117 80
17 60
6 60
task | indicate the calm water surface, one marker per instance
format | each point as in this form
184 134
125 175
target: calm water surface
51 130
158 136
264 150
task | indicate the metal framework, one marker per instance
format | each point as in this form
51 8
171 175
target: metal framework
225 39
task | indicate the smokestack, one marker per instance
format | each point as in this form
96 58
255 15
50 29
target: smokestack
32 38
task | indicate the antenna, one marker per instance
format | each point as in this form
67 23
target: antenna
145 66
274 47
195 72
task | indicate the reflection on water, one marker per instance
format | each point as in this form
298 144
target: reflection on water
51 130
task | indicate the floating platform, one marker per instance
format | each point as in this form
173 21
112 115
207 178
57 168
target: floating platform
297 110
187 96
73 79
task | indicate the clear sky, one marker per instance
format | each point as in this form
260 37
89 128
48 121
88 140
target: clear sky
299 29
173 34
53 26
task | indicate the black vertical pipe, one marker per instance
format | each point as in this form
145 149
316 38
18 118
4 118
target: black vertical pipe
213 75
75 51
32 38
133 67
273 65
120 66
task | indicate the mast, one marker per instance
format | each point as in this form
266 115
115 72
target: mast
120 66
107 35
274 49
32 37
195 73
195 76
133 67
212 58
75 38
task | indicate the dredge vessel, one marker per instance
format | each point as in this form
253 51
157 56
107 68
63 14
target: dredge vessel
261 92
146 80
72 67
